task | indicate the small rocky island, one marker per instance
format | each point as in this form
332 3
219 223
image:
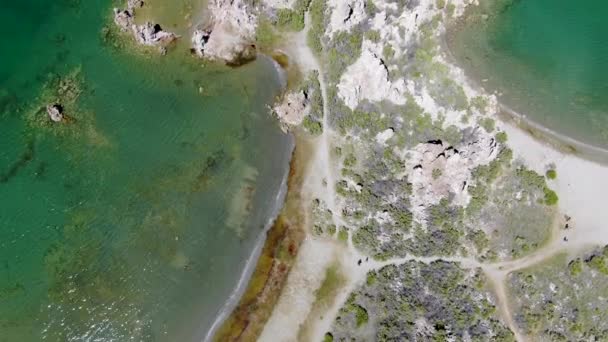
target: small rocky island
148 34
55 112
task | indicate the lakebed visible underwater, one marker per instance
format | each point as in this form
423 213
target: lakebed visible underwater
547 60
134 220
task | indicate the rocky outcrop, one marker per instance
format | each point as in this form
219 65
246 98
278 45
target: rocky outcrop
153 35
123 19
368 79
437 170
345 14
148 34
55 112
229 34
294 107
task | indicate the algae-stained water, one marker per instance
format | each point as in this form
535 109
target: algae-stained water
134 221
549 58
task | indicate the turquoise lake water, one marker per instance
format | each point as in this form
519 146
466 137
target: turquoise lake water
549 58
134 220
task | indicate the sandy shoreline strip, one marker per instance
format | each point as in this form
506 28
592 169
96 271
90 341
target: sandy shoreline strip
249 268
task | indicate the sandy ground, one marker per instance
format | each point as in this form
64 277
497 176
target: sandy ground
299 293
581 185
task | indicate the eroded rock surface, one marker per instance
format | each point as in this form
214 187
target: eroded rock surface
148 34
55 112
369 79
437 170
293 109
229 34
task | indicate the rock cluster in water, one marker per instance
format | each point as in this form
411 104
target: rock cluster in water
148 34
55 112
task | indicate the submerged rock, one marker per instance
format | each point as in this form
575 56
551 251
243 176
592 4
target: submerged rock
229 35
55 112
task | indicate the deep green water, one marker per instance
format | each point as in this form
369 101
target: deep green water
549 58
133 223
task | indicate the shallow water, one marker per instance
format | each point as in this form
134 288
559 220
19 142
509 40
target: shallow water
134 221
548 58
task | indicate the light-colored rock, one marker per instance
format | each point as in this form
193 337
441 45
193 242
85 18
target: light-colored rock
123 19
384 136
55 112
294 107
152 35
279 3
345 14
148 34
454 168
229 35
368 79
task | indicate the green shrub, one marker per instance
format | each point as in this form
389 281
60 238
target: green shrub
479 102
350 160
551 174
317 18
451 9
488 124
388 52
370 8
501 137
372 35
293 19
550 196
343 235
479 239
575 267
372 276
437 173
290 20
361 315
265 34
312 126
599 263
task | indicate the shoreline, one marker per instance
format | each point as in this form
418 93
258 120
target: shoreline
279 248
559 140
580 174
250 266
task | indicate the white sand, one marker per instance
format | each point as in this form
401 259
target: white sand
580 184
